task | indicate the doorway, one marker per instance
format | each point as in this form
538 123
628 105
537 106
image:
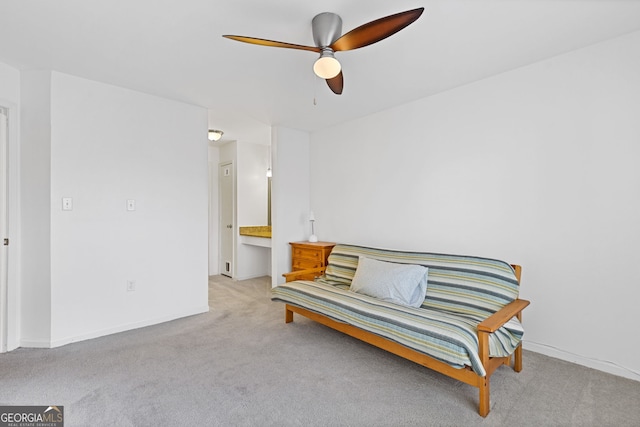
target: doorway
227 206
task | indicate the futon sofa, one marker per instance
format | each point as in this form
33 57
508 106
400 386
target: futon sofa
458 315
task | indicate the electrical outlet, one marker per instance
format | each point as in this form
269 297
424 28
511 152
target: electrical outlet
131 285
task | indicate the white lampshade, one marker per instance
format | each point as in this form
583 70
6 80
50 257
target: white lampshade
327 66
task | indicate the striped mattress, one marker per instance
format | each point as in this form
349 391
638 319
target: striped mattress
461 292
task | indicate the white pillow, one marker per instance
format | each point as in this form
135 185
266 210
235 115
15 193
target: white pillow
404 284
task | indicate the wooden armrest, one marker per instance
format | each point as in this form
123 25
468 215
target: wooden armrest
308 274
502 316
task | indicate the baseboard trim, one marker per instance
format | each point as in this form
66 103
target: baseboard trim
252 276
114 330
34 344
600 365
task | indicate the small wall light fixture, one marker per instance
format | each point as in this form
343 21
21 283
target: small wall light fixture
215 135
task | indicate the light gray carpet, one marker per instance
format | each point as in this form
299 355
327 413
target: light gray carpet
241 365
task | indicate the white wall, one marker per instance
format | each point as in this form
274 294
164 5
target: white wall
108 145
214 211
537 166
9 83
35 209
10 98
290 196
252 184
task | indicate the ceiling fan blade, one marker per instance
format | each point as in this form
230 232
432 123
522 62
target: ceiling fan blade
377 30
336 83
264 42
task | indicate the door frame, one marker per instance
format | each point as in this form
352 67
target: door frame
4 225
233 218
10 332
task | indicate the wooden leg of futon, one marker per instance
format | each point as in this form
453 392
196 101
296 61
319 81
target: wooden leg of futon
288 315
517 359
517 355
483 382
483 408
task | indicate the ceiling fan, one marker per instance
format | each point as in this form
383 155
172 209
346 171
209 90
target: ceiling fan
328 39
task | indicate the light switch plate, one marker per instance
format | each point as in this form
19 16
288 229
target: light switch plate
131 205
67 204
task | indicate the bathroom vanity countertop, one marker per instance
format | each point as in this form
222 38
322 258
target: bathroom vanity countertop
256 231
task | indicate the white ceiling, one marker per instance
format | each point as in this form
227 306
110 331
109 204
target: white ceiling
174 49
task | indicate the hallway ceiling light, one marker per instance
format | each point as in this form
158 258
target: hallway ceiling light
215 135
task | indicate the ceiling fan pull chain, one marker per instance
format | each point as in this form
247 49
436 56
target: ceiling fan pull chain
315 90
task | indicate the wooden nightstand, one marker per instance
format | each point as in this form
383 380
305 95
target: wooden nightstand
306 255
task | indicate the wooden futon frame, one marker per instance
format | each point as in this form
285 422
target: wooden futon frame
466 375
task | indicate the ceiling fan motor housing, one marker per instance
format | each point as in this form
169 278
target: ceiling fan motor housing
327 28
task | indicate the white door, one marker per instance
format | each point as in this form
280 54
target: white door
226 219
4 230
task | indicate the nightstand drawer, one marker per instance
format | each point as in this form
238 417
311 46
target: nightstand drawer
303 264
312 254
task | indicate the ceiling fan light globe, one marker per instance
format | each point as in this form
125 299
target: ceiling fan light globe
326 67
